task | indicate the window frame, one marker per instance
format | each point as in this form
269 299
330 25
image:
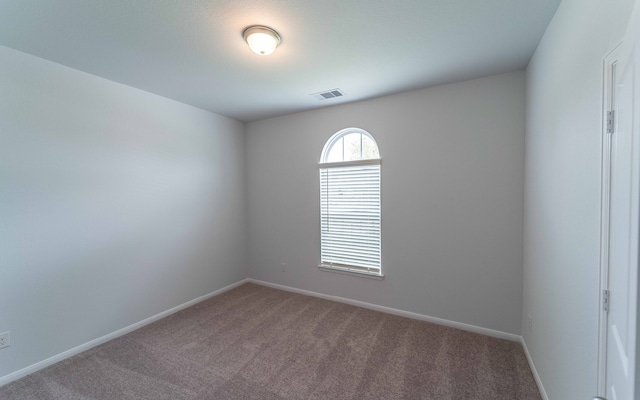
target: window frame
324 165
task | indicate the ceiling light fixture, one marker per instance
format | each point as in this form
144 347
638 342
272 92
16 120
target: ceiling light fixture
261 39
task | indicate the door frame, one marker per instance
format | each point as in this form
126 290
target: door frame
608 98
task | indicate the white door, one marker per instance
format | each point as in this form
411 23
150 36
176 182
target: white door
624 222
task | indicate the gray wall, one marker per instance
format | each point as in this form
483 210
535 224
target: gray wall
115 205
452 200
562 213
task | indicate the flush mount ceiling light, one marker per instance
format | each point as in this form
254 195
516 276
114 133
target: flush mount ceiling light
261 39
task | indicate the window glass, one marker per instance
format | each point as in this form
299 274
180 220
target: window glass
369 148
336 153
352 147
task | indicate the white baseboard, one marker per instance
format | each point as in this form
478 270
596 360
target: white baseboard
120 332
543 393
452 324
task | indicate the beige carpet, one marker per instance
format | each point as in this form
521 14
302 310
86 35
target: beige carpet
255 342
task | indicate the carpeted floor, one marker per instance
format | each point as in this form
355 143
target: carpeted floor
255 342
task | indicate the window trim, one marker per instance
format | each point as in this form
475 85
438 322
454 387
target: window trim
348 271
369 161
352 270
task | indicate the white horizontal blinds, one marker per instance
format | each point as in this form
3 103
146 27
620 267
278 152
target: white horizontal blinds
350 215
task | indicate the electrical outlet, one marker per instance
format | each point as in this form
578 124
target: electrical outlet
284 267
530 323
4 340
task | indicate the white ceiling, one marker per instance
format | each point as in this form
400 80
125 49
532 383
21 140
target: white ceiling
192 50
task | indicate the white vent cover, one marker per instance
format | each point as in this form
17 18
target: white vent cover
329 94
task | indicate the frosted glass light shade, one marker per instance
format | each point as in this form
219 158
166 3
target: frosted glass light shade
261 39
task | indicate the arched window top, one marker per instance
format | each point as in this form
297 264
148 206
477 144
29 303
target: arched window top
351 144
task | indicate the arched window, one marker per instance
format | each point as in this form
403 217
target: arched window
350 238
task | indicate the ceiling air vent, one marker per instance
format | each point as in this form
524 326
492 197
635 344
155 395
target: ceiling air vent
329 94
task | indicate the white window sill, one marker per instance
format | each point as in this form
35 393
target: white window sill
345 271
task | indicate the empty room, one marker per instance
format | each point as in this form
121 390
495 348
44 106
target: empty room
341 199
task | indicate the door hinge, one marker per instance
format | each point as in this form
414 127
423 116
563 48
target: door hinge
610 116
606 299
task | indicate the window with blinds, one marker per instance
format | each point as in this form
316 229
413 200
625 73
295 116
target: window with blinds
350 203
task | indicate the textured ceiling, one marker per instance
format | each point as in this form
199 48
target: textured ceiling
192 50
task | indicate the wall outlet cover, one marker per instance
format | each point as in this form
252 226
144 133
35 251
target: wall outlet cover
4 340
